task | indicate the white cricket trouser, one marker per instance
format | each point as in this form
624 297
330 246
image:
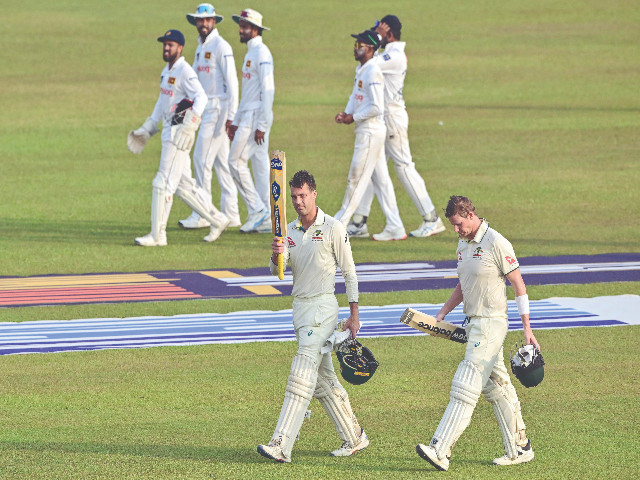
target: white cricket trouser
243 149
212 151
368 165
174 176
396 147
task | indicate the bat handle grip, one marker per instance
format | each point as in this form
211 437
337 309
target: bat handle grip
280 265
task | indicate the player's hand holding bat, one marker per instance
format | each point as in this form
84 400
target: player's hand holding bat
277 247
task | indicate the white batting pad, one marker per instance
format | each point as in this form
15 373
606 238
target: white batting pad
335 400
465 391
298 394
197 199
504 399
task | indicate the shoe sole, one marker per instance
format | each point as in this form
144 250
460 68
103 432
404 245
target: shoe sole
265 454
426 457
358 235
388 239
191 227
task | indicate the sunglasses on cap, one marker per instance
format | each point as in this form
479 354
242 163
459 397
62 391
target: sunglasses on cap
204 9
358 44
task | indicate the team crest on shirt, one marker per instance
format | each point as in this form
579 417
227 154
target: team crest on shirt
386 57
477 253
248 63
317 236
207 55
171 81
510 260
290 242
359 83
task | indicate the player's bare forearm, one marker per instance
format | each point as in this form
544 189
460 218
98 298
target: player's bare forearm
454 300
353 322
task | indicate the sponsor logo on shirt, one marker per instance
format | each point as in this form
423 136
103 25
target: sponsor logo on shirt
510 259
172 81
359 98
203 69
317 236
166 91
246 75
459 255
477 253
207 55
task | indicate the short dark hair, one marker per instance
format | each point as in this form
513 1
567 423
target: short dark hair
395 26
300 178
459 205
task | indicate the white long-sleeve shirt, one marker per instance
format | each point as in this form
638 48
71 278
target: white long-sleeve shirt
314 256
177 83
393 63
366 102
258 87
216 71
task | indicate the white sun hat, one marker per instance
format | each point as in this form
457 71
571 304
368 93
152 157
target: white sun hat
204 10
251 16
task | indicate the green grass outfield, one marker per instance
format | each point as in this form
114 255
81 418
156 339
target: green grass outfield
530 109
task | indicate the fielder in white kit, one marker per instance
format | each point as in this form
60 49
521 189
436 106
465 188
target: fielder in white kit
216 71
315 246
393 63
178 81
485 259
249 131
368 164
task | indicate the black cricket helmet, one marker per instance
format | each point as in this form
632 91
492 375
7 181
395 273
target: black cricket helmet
357 363
527 364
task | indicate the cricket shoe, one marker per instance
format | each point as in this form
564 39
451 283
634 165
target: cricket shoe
194 221
234 222
254 221
150 241
216 231
525 454
428 453
265 227
358 231
273 452
347 449
389 235
429 228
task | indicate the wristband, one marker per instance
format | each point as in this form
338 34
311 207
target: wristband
523 304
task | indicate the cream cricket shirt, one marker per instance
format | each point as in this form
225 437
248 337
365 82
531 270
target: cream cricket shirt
314 256
178 82
393 64
482 265
216 71
258 87
366 102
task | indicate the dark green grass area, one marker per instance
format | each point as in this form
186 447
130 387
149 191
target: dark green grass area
199 412
529 109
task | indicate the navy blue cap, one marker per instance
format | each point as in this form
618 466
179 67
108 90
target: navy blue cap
368 37
172 36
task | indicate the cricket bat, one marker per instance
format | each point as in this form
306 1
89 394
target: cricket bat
428 324
278 199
